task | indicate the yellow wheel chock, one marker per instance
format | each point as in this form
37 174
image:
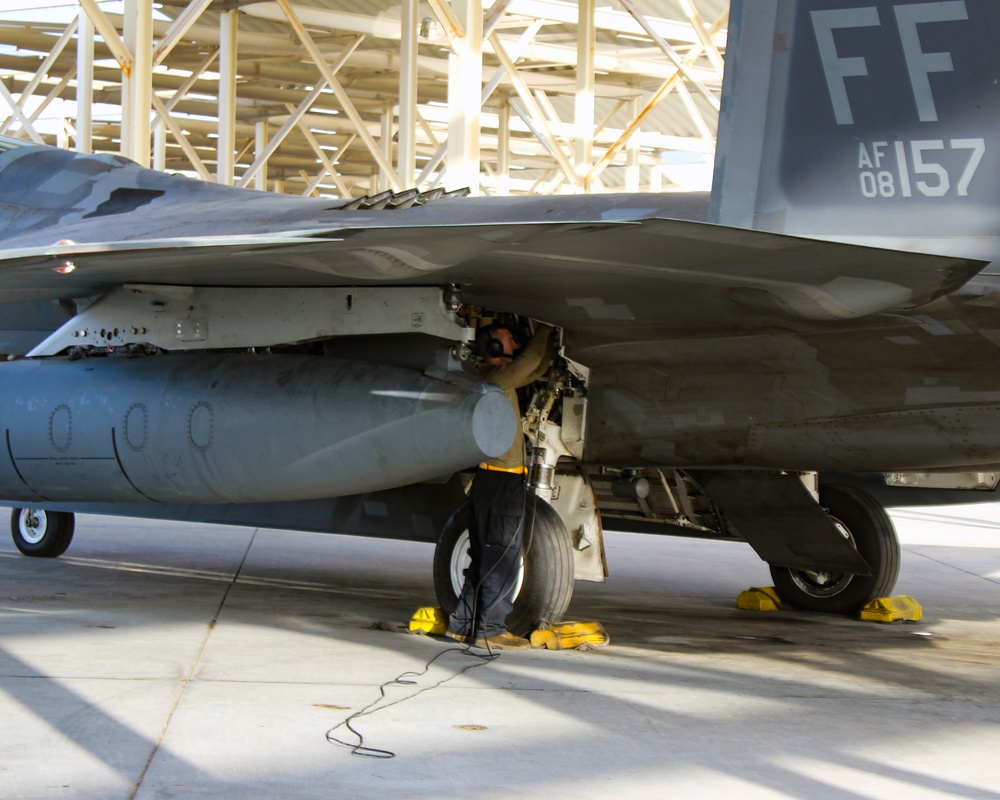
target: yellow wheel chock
759 598
892 609
900 608
570 636
432 621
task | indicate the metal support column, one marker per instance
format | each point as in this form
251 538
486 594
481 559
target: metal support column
632 169
583 109
262 155
137 83
386 142
260 142
465 86
407 144
84 83
159 147
503 150
226 144
342 97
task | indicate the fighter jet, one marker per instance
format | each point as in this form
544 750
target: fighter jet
772 363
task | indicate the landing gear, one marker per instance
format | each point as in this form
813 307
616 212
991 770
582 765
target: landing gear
864 522
545 581
41 534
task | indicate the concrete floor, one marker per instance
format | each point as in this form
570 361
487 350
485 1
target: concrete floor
160 660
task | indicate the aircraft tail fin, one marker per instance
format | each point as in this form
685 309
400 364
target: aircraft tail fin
873 120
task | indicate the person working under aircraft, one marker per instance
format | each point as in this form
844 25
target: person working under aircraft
498 497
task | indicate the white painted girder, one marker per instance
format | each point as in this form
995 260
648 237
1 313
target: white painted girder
408 52
84 83
137 81
342 96
583 102
464 90
302 108
385 25
554 100
43 70
607 60
226 144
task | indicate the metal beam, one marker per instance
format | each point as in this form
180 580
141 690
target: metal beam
178 28
159 145
632 168
406 158
54 92
681 65
26 126
137 83
385 137
43 69
514 54
342 187
191 80
386 26
503 150
707 41
465 85
329 165
123 55
226 144
301 109
695 114
84 83
341 94
277 71
583 102
662 92
533 113
164 121
452 23
260 143
280 135
180 138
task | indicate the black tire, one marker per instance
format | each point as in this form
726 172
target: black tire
41 534
546 582
864 521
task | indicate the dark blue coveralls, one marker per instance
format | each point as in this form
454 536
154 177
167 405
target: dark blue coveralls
497 508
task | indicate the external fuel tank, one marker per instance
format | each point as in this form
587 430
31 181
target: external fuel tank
208 428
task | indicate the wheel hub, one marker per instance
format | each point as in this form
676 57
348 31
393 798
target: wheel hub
33 524
824 583
461 558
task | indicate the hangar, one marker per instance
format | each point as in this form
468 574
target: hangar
165 665
347 99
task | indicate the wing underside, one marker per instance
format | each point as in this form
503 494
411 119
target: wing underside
684 275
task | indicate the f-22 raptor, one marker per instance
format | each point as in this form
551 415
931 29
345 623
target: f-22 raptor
773 363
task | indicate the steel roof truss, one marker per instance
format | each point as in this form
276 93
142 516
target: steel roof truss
341 94
533 118
297 114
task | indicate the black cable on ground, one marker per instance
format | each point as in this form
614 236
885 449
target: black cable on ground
361 749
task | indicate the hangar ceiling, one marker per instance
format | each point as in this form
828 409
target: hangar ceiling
351 97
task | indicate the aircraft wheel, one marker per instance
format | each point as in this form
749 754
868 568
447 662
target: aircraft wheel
864 522
41 534
544 584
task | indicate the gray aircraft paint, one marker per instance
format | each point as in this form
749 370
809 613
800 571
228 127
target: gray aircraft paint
707 345
669 314
881 121
236 428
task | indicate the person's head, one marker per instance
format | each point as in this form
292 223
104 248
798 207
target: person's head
498 345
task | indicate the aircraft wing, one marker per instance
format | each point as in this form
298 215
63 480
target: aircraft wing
683 275
76 226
